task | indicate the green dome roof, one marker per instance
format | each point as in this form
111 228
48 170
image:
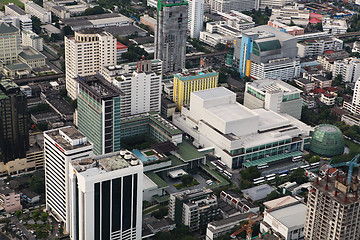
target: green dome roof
327 140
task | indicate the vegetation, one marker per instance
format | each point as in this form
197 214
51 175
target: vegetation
298 176
314 159
16 2
94 11
259 17
179 233
40 108
186 181
134 53
142 141
37 184
273 195
247 176
200 46
36 23
161 213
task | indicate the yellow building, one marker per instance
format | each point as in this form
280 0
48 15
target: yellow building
191 81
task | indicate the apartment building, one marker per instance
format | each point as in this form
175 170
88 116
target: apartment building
196 17
348 68
318 46
192 80
61 146
31 39
35 10
291 13
10 43
85 54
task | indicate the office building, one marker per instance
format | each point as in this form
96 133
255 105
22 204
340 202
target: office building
333 209
31 39
317 46
281 221
348 68
192 80
10 43
196 17
106 197
291 13
35 10
193 208
225 6
274 95
241 137
170 34
61 146
265 52
141 92
99 113
85 54
14 134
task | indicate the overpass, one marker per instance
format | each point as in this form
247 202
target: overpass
348 34
25 81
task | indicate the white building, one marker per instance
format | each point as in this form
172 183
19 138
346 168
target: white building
106 197
35 10
236 5
296 13
10 43
196 17
275 4
328 99
354 106
348 68
13 10
31 39
274 95
86 53
61 146
142 92
334 26
240 136
287 220
318 46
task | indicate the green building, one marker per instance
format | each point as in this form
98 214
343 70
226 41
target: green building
327 140
14 134
99 113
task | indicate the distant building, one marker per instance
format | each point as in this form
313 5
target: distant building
35 10
193 208
196 17
351 120
318 46
106 197
274 95
240 136
287 14
31 39
86 53
120 49
329 58
265 52
277 4
292 30
10 200
170 34
14 134
18 17
236 5
258 192
285 220
348 68
61 146
334 26
10 43
148 21
192 80
354 105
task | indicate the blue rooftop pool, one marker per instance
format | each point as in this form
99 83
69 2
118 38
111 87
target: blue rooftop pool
142 157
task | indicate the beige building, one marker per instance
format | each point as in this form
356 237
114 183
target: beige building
31 39
35 10
32 58
86 53
10 200
10 43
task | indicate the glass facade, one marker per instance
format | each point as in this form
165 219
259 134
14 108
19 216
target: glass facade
327 140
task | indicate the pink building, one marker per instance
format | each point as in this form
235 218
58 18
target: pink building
292 30
10 200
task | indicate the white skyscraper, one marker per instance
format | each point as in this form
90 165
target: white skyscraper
142 92
106 197
60 147
196 17
86 53
354 105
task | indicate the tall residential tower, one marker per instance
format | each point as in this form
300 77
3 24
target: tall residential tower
85 54
170 34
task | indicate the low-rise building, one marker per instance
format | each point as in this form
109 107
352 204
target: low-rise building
257 193
35 10
30 196
321 81
31 39
120 49
13 10
10 200
286 219
193 208
32 57
334 26
292 30
287 14
328 99
305 84
352 120
318 46
328 59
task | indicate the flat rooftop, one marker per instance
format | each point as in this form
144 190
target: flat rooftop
266 31
95 19
232 112
99 86
16 9
213 93
273 86
72 133
190 74
286 215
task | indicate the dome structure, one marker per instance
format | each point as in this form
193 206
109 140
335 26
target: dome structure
327 140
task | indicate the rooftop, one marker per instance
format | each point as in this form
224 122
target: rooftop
8 84
188 152
283 200
99 86
266 31
286 215
16 9
195 74
258 192
68 138
29 53
273 86
92 20
231 220
8 28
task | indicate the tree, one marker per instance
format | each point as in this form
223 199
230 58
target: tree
329 75
250 173
37 184
222 77
44 216
273 195
338 80
161 213
36 23
187 179
18 213
298 176
94 11
68 31
314 159
292 23
36 215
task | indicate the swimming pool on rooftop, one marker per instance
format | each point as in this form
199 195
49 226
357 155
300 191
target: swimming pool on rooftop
143 157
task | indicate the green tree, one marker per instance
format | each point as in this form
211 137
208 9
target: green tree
273 195
161 213
250 173
329 75
37 184
292 23
44 216
94 11
338 80
314 159
36 215
187 179
18 213
36 23
298 176
68 31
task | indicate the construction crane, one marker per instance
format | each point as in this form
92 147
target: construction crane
247 227
351 164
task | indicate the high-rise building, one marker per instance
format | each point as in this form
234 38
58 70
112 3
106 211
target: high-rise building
193 208
99 113
10 43
225 6
85 54
61 146
141 92
265 52
14 135
333 210
354 105
191 81
170 34
348 68
196 17
106 197
274 95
